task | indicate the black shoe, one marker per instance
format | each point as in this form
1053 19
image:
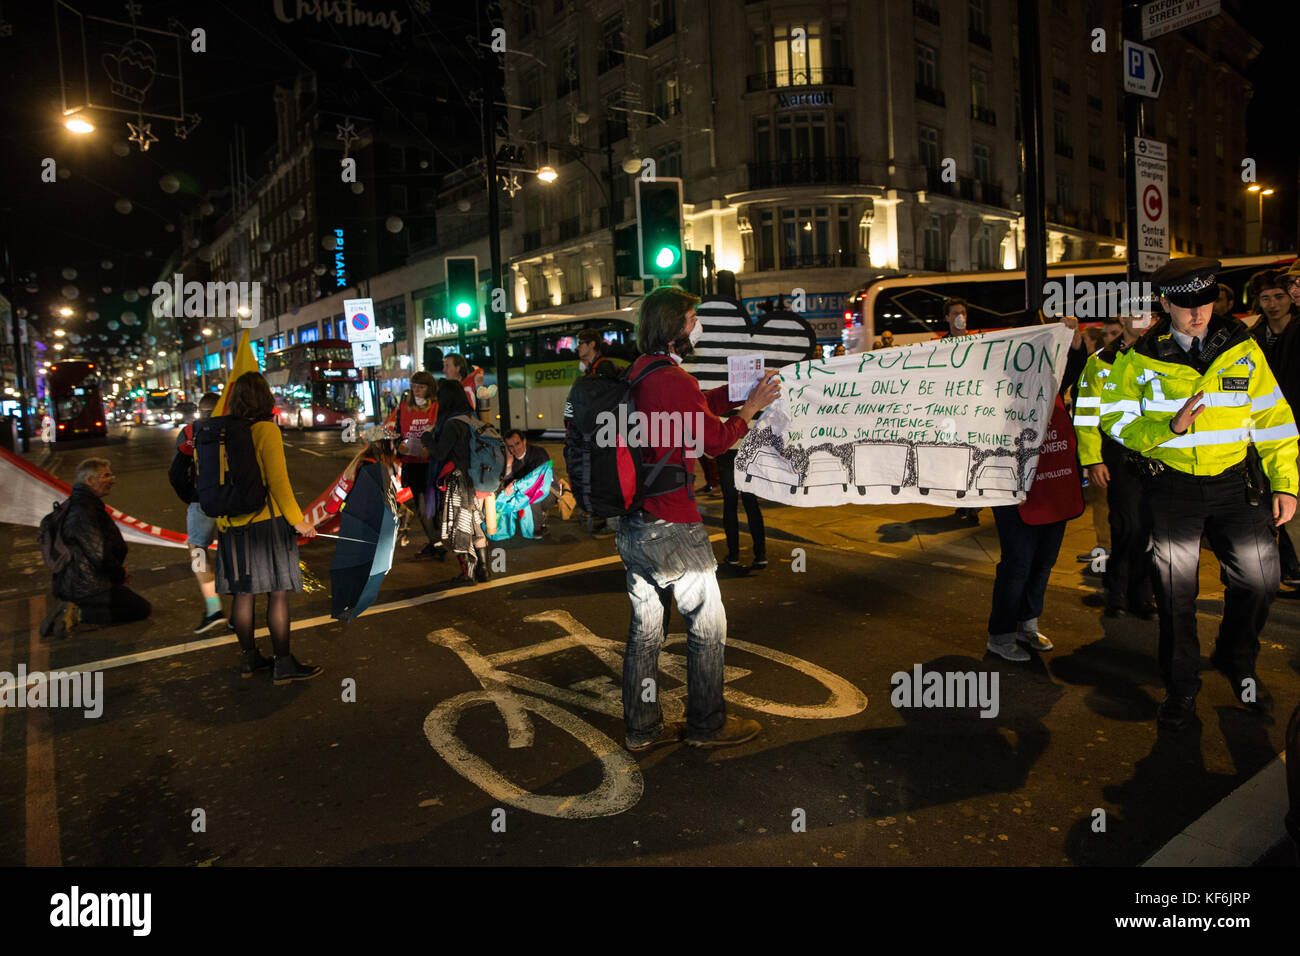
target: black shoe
428 551
1175 711
209 621
287 670
481 572
1145 611
760 564
253 662
466 575
1115 610
48 622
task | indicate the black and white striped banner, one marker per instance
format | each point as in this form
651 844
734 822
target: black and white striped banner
780 337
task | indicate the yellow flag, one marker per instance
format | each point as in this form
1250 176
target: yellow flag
245 361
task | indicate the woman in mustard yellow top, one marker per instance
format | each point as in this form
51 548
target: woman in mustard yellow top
258 553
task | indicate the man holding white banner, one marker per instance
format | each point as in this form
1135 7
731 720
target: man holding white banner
938 422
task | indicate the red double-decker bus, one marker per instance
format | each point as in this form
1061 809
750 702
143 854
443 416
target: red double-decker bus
315 385
76 404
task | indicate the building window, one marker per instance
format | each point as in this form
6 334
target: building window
797 64
668 160
844 245
932 243
801 136
927 67
612 43
1063 196
397 197
762 140
309 333
530 88
983 249
1218 145
615 118
567 80
929 149
983 163
1061 131
978 17
667 102
527 18
766 240
979 89
839 55
1097 200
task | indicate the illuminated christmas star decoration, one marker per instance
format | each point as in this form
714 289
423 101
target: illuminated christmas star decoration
347 135
183 128
133 10
141 134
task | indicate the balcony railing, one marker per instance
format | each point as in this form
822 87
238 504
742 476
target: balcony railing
1060 84
802 172
820 260
979 38
926 12
810 76
984 115
655 34
930 94
570 228
1097 162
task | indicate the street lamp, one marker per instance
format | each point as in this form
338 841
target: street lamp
77 123
1260 192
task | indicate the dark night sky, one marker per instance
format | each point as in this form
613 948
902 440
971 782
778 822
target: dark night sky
1270 117
72 222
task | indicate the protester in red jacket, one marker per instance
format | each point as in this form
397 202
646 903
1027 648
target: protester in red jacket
664 547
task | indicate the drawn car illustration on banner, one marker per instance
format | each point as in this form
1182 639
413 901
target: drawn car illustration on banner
880 464
943 468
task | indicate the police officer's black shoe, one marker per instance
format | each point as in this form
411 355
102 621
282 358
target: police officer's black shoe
1146 611
1175 711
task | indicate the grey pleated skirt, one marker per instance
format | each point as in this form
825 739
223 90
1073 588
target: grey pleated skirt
258 558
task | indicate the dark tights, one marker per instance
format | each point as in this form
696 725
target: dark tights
731 498
277 620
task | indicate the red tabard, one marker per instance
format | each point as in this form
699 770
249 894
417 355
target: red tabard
1057 494
414 422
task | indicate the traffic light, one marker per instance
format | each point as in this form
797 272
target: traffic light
462 290
659 229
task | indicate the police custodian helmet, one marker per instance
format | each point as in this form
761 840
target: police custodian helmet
1188 282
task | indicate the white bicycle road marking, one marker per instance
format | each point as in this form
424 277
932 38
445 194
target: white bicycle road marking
621 784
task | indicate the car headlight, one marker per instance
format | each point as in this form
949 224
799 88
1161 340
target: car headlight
320 417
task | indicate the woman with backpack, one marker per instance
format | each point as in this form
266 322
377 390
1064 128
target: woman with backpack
257 553
414 416
460 520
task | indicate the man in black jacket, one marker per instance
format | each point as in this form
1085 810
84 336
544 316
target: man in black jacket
96 579
1274 296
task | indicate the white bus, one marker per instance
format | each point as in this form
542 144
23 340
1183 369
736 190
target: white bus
543 362
911 306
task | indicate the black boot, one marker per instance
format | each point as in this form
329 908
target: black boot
288 669
253 662
466 571
481 568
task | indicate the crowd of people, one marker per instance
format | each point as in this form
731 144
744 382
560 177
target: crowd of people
1181 415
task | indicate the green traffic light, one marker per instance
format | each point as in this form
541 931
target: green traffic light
667 257
462 310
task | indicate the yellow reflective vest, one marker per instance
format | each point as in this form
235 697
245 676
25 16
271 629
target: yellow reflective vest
1087 403
1150 382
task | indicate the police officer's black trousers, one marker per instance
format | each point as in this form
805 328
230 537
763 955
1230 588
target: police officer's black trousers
1241 536
1129 573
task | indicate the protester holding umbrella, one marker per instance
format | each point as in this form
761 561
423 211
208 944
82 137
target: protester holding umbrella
258 553
367 528
460 522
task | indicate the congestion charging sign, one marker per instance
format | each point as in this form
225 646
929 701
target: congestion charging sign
359 315
1152 168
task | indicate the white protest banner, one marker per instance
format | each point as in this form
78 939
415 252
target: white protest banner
933 422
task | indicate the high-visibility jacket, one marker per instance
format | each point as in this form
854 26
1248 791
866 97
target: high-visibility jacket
1087 402
1151 382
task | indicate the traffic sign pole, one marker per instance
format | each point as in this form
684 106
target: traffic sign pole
1130 27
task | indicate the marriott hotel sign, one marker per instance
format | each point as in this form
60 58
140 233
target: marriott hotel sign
785 101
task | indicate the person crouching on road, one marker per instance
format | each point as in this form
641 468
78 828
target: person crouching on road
258 553
460 521
1030 534
664 546
94 583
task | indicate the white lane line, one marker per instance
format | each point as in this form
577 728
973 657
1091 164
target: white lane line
174 650
884 554
943 564
308 451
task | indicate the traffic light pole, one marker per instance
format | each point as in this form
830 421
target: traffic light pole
496 321
1031 122
613 223
1131 29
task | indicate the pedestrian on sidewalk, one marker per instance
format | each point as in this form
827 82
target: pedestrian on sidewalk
460 521
92 587
415 415
1030 534
258 553
665 547
200 530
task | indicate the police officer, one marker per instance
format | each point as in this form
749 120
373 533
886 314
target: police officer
1192 397
1113 467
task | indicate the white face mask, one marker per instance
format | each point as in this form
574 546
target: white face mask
697 332
582 366
959 323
